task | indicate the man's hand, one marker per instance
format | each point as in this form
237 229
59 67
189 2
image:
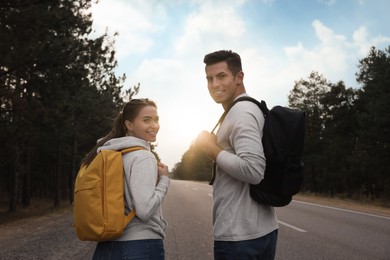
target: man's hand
207 142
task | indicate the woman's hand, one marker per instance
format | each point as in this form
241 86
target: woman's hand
162 169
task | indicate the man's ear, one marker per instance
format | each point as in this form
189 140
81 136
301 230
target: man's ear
129 125
240 76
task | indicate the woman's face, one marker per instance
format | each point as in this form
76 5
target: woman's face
146 125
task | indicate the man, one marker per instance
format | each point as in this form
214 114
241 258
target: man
243 229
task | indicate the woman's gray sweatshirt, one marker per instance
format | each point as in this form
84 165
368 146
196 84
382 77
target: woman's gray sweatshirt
144 190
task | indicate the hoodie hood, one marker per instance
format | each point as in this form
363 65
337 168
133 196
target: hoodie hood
123 143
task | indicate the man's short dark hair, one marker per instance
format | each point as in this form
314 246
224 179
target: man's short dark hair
232 59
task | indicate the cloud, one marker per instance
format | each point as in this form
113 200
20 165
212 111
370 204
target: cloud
210 26
327 2
334 55
331 56
362 41
326 35
132 22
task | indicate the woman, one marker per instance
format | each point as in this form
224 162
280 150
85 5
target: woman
146 183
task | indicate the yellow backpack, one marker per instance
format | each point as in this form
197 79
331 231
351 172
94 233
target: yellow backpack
99 204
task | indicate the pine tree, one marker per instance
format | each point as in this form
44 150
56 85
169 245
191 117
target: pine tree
59 94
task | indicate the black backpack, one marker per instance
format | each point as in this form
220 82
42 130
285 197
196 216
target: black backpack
283 141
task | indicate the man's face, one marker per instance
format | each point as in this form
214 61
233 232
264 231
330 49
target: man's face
222 84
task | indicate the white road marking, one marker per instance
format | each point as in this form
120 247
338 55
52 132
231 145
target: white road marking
345 210
291 226
195 188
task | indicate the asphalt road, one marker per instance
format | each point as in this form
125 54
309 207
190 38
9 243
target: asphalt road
306 231
187 208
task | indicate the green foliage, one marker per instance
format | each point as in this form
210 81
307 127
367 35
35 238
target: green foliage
339 138
306 96
372 152
195 165
347 133
59 93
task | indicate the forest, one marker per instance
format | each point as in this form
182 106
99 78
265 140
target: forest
59 93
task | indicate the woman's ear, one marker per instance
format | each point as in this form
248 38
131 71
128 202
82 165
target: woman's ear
129 125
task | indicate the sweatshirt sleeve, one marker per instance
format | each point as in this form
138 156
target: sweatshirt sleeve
146 189
243 155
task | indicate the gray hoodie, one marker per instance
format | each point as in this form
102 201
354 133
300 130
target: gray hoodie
144 190
236 215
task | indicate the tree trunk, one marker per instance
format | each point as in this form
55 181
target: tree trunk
26 195
14 191
314 179
73 172
57 188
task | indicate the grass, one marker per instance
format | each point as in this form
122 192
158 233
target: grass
38 207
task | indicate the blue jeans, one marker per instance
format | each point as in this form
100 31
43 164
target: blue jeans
263 248
133 249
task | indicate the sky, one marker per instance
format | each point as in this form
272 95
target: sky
160 44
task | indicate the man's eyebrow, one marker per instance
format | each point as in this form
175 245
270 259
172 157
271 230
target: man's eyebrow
219 74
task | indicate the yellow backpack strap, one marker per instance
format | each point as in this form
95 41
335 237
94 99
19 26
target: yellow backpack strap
132 149
130 216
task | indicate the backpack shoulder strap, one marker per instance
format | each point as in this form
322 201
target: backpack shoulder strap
262 105
131 149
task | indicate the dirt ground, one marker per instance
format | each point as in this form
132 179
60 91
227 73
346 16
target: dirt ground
366 205
47 234
44 233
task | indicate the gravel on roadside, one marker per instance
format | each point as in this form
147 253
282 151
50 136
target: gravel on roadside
45 237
